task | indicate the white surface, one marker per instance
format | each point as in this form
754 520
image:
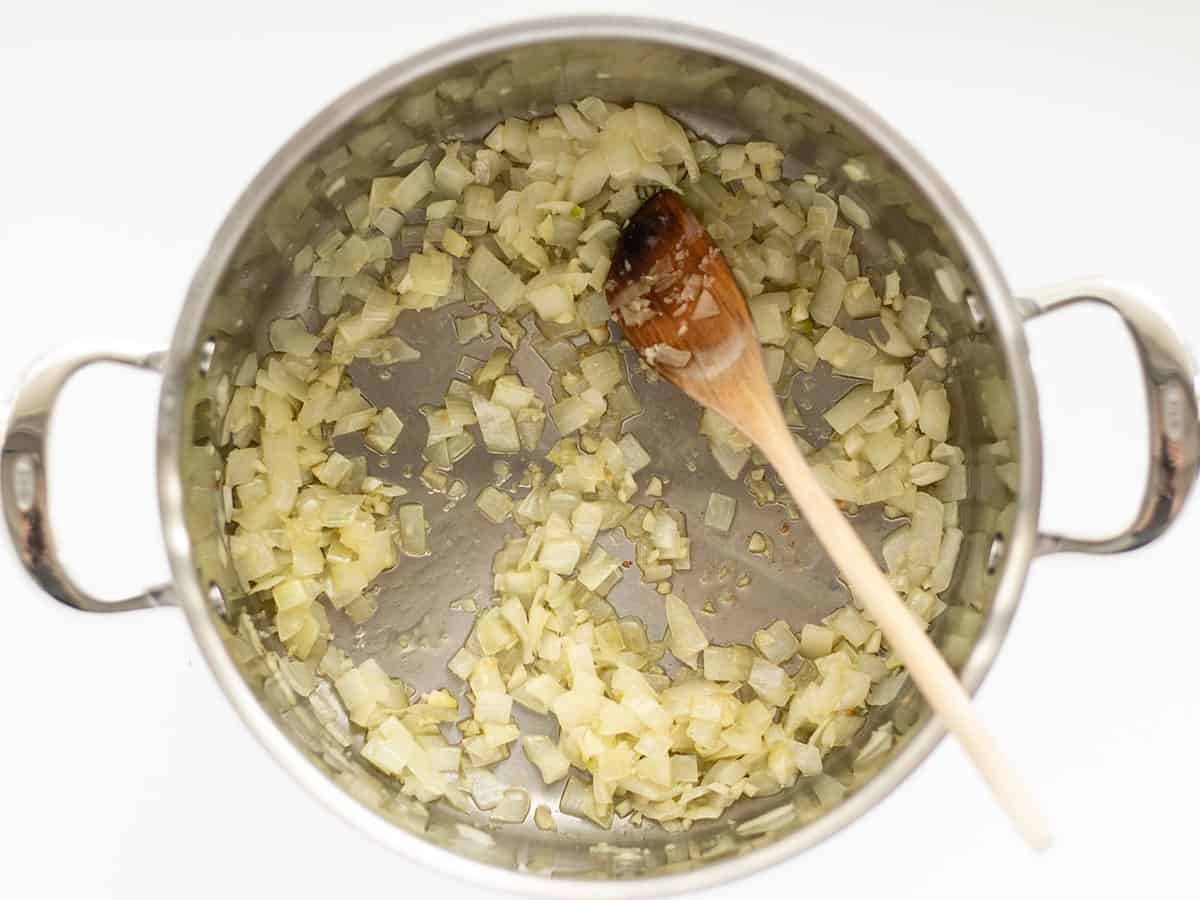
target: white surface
1067 129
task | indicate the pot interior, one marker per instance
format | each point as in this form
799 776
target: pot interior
416 629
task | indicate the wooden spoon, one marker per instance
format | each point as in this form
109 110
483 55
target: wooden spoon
672 291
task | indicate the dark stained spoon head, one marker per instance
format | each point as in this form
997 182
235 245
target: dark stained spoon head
671 290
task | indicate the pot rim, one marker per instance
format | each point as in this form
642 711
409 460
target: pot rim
1005 318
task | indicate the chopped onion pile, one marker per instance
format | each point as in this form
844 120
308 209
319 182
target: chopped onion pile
308 521
524 226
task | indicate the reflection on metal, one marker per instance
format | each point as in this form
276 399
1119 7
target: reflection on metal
978 312
207 349
24 482
995 554
216 599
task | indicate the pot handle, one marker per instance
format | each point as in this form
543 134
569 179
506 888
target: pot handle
1169 374
23 476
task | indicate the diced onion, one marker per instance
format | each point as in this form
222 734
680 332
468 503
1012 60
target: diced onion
776 643
544 819
495 505
718 515
686 637
528 224
550 761
495 279
513 806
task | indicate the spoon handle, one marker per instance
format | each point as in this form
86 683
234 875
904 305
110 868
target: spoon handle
936 681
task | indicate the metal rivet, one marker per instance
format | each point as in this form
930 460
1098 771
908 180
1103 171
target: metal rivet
995 554
207 350
216 599
979 317
25 482
1176 402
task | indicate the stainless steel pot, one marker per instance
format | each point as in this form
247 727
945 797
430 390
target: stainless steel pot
724 89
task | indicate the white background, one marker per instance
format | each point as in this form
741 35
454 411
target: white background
1070 132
